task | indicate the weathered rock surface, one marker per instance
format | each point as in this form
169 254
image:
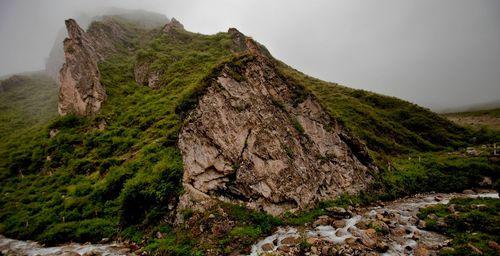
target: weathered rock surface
103 23
172 26
145 75
257 137
81 92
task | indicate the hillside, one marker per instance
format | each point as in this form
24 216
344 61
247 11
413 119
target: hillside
477 119
117 168
27 102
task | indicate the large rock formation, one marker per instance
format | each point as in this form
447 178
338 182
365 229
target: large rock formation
104 23
258 138
81 91
172 26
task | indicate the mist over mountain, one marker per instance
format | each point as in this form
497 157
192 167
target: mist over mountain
143 137
440 55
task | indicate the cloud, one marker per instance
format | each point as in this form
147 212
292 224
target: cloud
439 54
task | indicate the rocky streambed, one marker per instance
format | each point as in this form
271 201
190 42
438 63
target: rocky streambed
11 247
390 228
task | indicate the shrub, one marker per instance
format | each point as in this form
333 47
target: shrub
92 230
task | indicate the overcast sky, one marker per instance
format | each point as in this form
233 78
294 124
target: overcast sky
439 54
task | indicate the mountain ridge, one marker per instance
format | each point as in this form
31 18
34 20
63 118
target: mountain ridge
119 171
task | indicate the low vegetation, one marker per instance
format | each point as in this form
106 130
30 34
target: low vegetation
126 175
474 225
118 173
387 125
483 120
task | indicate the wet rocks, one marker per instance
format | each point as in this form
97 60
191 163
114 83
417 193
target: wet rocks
289 240
468 192
322 221
339 223
267 247
338 212
421 224
421 251
391 229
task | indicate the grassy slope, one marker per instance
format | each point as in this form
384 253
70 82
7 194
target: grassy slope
84 179
386 124
86 183
28 104
31 101
481 119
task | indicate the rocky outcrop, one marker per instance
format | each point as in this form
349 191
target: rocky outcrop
145 75
239 40
172 26
101 25
81 91
258 138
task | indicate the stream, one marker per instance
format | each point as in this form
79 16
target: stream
29 248
403 235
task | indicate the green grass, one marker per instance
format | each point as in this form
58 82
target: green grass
434 172
485 121
123 176
386 124
489 112
87 183
473 222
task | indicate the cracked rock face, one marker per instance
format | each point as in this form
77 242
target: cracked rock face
172 26
257 138
81 92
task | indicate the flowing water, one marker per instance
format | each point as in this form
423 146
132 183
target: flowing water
30 248
401 214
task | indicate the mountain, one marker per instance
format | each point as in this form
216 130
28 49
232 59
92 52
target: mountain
140 18
162 130
26 100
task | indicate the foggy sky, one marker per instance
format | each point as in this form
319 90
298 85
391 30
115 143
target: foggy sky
438 54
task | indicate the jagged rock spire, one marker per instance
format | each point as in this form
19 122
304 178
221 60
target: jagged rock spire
81 91
173 25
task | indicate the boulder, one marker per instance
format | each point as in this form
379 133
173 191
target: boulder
322 221
338 212
267 247
289 240
338 223
421 251
421 224
494 245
